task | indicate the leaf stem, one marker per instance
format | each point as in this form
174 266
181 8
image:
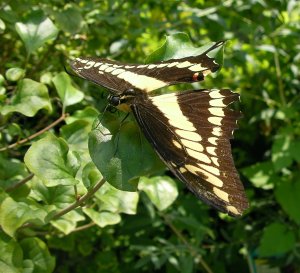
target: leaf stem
186 243
20 183
61 118
79 201
279 77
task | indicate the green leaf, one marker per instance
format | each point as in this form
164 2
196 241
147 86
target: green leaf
14 74
50 160
161 190
285 240
68 222
103 218
281 152
11 171
30 97
288 196
69 19
2 26
11 256
179 45
295 150
36 251
66 91
14 214
91 175
119 152
262 175
36 30
88 114
117 201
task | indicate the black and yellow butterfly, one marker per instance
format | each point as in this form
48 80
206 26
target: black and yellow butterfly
190 130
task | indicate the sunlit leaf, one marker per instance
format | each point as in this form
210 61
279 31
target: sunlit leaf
14 74
50 160
14 214
36 30
66 91
102 218
37 252
30 97
161 190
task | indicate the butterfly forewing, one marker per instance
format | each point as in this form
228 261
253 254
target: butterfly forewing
120 77
190 131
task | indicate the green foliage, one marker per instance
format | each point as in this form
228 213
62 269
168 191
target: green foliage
58 148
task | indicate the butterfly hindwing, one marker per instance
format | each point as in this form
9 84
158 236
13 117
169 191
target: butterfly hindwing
190 131
120 77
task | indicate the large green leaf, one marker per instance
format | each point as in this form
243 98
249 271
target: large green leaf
51 161
30 97
69 19
282 152
161 190
14 214
36 251
119 152
285 240
102 218
117 201
179 45
288 196
68 222
66 91
36 30
11 257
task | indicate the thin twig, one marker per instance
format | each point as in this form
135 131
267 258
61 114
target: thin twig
20 183
187 244
91 224
80 200
61 118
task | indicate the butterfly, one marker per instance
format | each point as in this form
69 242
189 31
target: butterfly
189 130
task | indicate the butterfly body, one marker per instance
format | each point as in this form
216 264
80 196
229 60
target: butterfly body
190 130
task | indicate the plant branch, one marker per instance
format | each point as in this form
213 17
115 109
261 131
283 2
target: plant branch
83 227
186 243
61 118
79 201
20 183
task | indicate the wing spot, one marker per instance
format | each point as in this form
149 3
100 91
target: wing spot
215 120
215 160
109 69
209 177
128 66
217 131
210 169
192 145
151 66
84 61
89 65
172 64
217 111
215 94
97 64
199 156
211 150
188 135
177 144
221 194
117 71
197 67
217 103
212 140
233 210
182 169
184 64
142 66
162 65
103 67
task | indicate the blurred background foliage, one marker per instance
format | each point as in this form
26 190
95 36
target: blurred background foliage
46 116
